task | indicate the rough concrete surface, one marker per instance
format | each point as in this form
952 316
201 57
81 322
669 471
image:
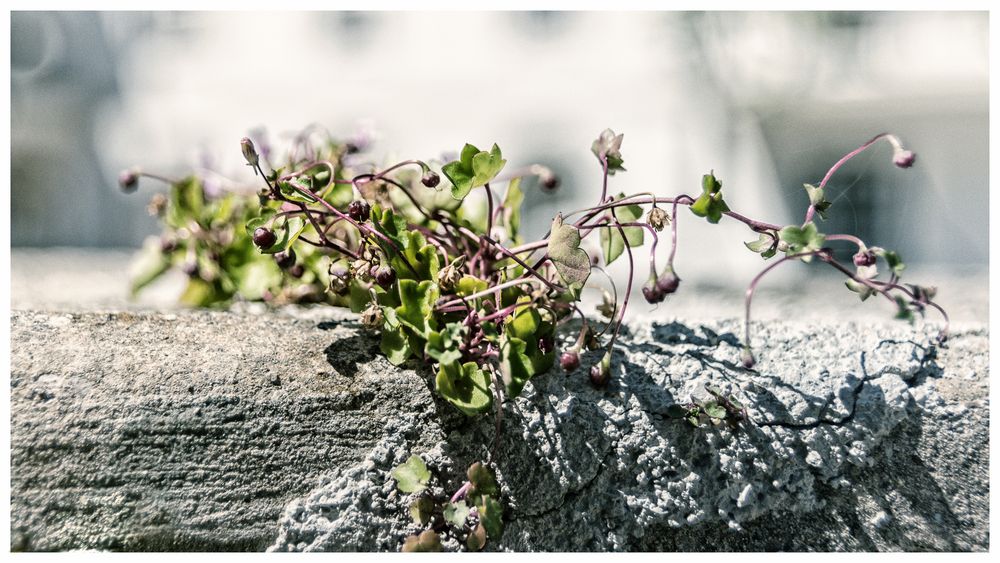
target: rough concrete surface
238 431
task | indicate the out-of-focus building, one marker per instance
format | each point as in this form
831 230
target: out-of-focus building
767 100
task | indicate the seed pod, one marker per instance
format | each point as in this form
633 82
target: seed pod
340 278
371 317
157 205
657 218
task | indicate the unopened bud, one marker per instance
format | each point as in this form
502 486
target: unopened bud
128 180
264 238
746 358
384 276
285 259
864 258
430 179
668 281
340 278
903 158
249 153
359 210
569 361
600 373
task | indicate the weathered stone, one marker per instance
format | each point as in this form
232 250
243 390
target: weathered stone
204 431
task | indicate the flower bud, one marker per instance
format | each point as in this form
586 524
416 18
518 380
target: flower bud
384 276
668 281
285 259
903 158
657 218
297 271
864 258
249 153
430 179
546 178
746 358
569 361
600 373
264 238
340 278
359 210
128 180
651 291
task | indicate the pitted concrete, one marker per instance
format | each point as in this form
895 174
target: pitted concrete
201 431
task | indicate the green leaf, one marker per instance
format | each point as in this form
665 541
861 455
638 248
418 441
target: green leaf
263 219
288 231
817 200
187 199
571 261
893 260
392 226
149 265
714 410
476 539
802 239
482 478
412 475
297 189
444 346
456 513
710 204
712 389
612 243
491 517
473 169
486 165
470 285
421 510
465 386
903 311
417 305
395 345
515 365
863 291
425 542
200 293
765 245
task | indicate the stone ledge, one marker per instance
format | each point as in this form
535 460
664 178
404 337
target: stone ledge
227 431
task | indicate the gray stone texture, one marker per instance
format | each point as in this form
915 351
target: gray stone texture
189 430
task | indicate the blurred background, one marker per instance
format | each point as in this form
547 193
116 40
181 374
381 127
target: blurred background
766 100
